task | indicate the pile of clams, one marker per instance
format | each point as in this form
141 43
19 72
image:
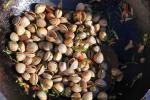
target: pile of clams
60 51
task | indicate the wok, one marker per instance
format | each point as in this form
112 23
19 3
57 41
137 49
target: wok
134 28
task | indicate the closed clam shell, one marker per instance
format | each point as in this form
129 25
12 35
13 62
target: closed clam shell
86 76
40 22
41 15
19 29
26 76
47 76
97 27
75 79
50 16
57 78
87 96
68 72
31 47
34 79
68 42
103 22
72 27
91 40
40 69
41 32
82 35
100 83
50 27
29 54
48 56
51 36
47 84
62 48
83 85
30 69
13 46
88 16
20 56
88 23
69 52
21 46
35 37
102 96
79 16
27 34
101 74
41 95
57 56
24 21
69 34
14 37
52 66
76 96
54 21
96 48
40 53
27 61
76 88
20 68
73 63
102 36
40 8
62 28
80 6
98 57
31 28
30 15
36 60
67 92
58 13
62 66
58 87
63 20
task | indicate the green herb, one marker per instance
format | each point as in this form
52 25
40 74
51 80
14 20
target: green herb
139 76
7 51
145 39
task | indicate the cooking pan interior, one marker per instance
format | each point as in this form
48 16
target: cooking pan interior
126 31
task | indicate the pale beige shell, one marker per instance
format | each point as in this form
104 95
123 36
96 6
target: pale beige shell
26 76
31 47
34 79
20 68
86 76
52 66
40 22
19 29
76 88
40 8
41 32
54 21
41 95
102 96
98 57
13 46
20 56
24 21
14 37
87 96
58 87
47 84
58 13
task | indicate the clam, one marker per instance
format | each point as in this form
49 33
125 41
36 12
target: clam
13 46
91 40
57 78
73 63
68 72
83 85
54 21
82 35
76 88
96 48
16 20
67 92
68 42
97 27
86 76
101 74
87 96
35 38
50 27
30 69
62 66
31 28
70 35
48 56
75 79
57 56
80 6
33 79
41 15
40 53
59 87
41 32
88 16
102 96
31 47
76 96
29 54
26 76
20 56
27 34
47 84
69 52
100 83
88 23
50 16
19 29
52 66
102 36
51 36
40 8
92 30
116 74
47 76
72 27
20 68
27 61
63 20
58 13
62 28
14 37
30 15
40 22
103 22
41 95
24 21
79 16
40 69
98 57
62 48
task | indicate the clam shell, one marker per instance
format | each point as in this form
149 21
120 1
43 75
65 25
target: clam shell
58 87
41 95
73 63
40 69
54 21
21 47
24 21
98 57
48 56
62 48
19 29
76 88
41 32
86 76
52 66
31 47
57 78
62 66
69 52
63 20
27 61
102 96
34 79
58 13
40 22
102 36
14 37
20 68
87 96
75 79
20 56
30 69
36 60
40 8
47 84
51 36
26 76
30 15
62 28
76 96
57 56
